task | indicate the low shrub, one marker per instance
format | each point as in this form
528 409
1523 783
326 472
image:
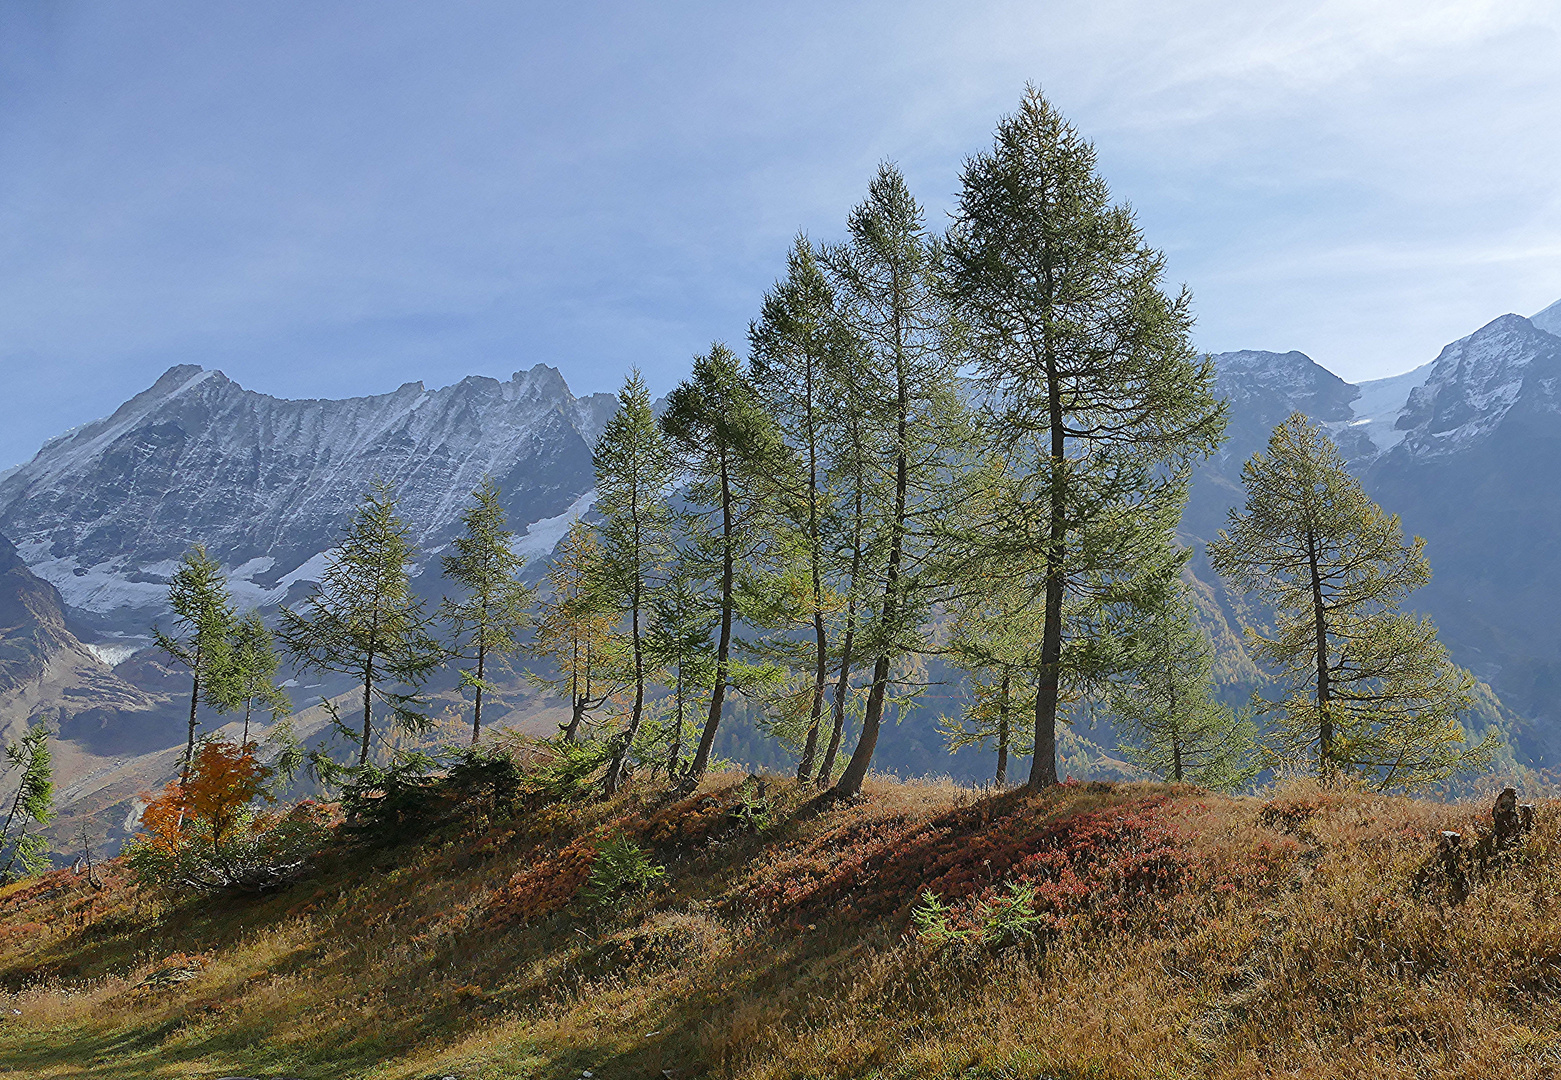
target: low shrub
621 868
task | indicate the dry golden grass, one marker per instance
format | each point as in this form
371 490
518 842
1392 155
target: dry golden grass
1282 938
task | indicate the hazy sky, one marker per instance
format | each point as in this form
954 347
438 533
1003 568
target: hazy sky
326 199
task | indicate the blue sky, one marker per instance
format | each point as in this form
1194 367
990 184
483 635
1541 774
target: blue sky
326 199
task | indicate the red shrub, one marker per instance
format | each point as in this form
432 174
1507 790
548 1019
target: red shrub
1102 861
547 885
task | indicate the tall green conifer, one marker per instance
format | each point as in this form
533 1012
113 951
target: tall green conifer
203 625
33 803
885 276
1168 721
485 624
797 337
364 620
1368 689
732 450
1093 394
633 479
574 631
247 676
679 642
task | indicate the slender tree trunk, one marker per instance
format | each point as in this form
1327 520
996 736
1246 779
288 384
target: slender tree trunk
850 782
847 645
482 656
1176 735
195 696
821 639
677 732
576 699
248 705
368 703
615 770
1324 691
724 647
1043 767
1002 734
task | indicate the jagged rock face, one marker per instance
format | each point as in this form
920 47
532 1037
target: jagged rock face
1502 377
1476 475
32 622
105 511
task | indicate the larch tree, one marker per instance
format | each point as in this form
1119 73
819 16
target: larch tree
860 415
730 448
203 624
486 622
679 643
1367 688
247 676
633 481
794 343
363 620
1167 718
1091 390
573 631
31 804
991 639
885 276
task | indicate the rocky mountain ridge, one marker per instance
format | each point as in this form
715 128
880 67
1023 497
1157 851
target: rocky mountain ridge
103 512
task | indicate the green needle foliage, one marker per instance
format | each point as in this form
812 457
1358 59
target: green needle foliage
247 676
574 632
633 478
992 636
621 868
364 620
732 451
1368 689
679 643
203 626
797 339
33 803
486 623
1167 720
1094 400
901 374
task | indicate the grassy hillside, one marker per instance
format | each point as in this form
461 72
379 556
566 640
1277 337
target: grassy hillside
1175 934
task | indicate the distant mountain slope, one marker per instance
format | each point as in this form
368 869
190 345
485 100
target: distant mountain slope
1478 474
1548 320
104 511
1467 450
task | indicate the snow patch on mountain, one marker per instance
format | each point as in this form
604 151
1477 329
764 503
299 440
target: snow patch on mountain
1549 320
543 536
105 511
1477 381
1381 402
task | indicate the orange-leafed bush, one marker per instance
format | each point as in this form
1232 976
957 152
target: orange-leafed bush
206 831
216 795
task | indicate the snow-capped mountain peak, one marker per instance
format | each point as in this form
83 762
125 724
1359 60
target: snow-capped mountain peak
104 511
1477 381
